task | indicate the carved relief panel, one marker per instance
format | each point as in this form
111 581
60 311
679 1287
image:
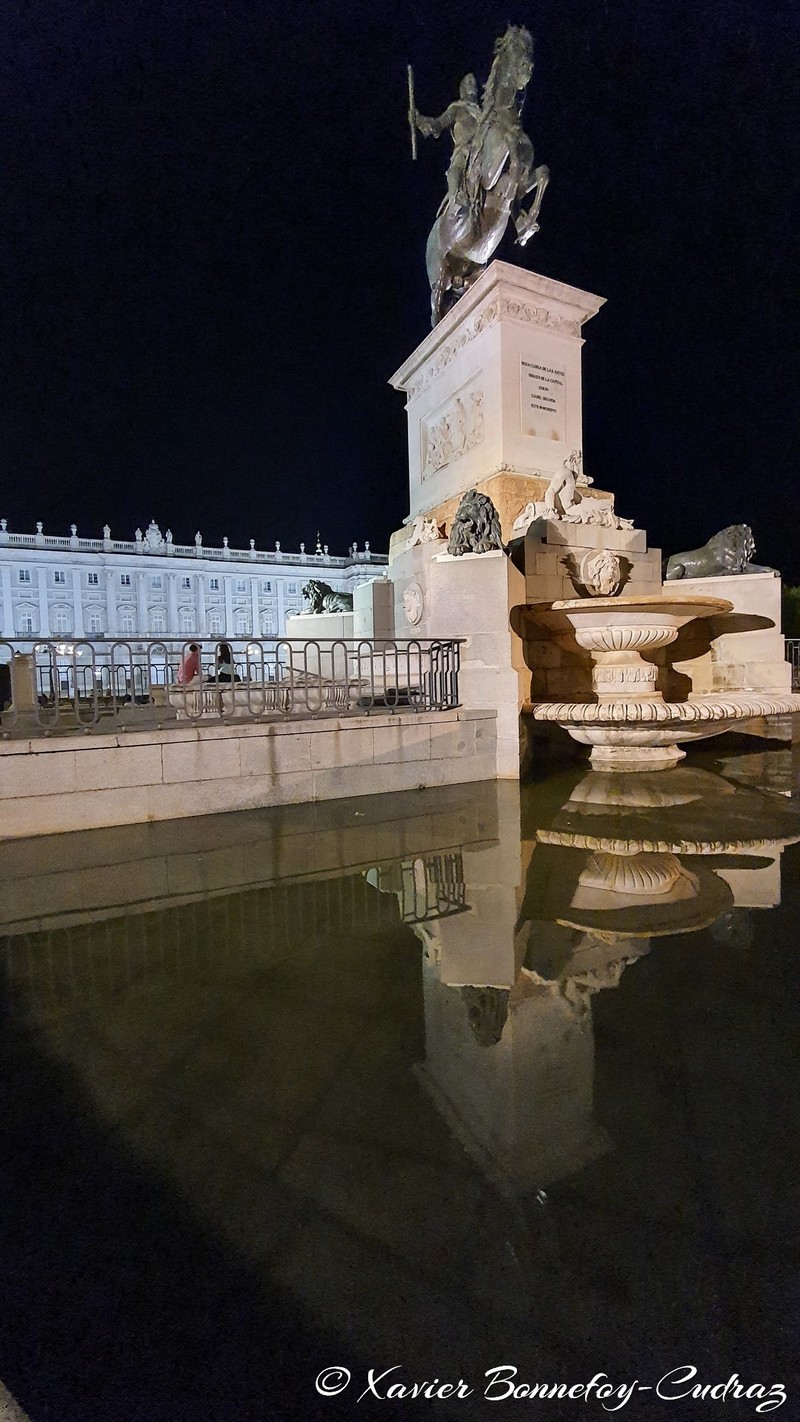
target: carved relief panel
450 432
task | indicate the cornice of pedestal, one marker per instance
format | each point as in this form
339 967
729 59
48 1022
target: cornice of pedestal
502 292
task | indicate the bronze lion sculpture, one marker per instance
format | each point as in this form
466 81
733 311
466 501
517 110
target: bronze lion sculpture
727 552
476 526
322 598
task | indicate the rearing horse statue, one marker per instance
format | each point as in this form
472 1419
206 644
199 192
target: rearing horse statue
490 173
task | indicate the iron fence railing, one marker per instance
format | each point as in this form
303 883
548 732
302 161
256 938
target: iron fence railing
793 656
49 686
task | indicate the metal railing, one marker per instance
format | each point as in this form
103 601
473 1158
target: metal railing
51 686
793 656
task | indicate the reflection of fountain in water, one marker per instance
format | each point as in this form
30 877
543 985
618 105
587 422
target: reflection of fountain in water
607 864
281 1107
519 932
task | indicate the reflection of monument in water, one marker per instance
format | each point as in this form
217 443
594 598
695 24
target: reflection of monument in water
252 1037
524 914
604 865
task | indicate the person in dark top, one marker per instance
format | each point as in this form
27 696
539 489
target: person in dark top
225 670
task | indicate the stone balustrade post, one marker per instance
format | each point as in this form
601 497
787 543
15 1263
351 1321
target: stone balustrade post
24 700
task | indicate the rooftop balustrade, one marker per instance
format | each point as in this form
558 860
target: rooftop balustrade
152 543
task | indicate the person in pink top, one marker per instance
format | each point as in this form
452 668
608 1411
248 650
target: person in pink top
189 668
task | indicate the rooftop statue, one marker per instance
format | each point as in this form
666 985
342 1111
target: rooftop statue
491 171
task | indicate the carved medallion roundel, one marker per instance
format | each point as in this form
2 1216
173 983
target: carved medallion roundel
413 604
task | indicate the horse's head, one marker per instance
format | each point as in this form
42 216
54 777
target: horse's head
512 65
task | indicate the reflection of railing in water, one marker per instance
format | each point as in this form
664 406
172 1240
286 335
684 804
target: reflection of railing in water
196 941
432 887
426 888
225 934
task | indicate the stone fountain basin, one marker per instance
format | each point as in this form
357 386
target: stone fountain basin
614 624
641 723
630 726
682 608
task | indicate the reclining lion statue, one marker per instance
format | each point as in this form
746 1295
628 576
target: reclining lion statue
727 552
322 597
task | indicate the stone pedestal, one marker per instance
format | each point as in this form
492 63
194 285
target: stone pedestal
320 625
373 614
494 403
494 393
326 661
24 708
437 595
742 651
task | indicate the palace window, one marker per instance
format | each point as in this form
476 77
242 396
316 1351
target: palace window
214 624
158 624
59 576
268 624
124 580
61 622
26 622
242 624
127 622
187 619
93 579
266 587
241 585
213 583
292 589
156 581
95 626
186 582
24 575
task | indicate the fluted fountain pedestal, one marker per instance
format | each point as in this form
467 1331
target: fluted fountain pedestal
630 726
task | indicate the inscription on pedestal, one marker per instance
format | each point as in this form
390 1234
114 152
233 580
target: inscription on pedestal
543 405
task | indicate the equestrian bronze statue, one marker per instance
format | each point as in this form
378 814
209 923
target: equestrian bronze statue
490 175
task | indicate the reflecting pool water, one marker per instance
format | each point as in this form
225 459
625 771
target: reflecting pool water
439 1083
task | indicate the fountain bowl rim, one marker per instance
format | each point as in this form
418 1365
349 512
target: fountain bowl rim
648 602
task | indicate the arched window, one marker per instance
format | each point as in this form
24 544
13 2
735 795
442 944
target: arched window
242 624
126 621
268 624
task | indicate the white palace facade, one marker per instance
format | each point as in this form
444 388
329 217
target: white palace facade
75 587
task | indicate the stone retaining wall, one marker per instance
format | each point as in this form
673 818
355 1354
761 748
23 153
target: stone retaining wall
66 783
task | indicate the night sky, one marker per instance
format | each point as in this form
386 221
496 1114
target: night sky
213 256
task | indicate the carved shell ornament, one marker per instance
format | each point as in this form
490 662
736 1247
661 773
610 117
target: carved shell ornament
641 875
